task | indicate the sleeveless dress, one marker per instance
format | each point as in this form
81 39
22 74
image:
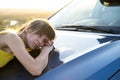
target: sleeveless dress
5 57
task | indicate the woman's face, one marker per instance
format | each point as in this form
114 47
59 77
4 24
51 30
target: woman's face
35 41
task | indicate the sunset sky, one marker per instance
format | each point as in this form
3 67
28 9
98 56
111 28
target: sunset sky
37 4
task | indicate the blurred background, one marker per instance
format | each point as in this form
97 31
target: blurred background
17 12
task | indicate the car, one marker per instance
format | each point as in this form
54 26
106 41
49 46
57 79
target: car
88 38
87 43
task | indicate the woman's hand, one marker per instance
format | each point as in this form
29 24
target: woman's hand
49 43
48 47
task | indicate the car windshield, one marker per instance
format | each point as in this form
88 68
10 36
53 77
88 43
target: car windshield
87 13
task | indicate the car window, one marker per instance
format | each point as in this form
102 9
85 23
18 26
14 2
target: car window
85 13
74 12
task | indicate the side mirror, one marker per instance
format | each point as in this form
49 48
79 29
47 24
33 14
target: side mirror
110 2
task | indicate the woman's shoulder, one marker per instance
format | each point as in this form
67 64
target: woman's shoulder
7 35
11 34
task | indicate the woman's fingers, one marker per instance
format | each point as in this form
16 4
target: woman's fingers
49 43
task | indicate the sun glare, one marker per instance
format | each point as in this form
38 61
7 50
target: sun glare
37 4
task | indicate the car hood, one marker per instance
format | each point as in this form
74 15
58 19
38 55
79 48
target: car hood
72 44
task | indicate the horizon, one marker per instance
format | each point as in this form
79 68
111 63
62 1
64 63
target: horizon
33 4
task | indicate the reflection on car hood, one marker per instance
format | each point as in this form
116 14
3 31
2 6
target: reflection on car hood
72 44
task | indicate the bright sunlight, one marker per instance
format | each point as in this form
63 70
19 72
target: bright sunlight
37 4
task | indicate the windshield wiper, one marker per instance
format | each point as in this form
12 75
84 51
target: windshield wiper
84 28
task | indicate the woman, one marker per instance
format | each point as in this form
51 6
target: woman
36 34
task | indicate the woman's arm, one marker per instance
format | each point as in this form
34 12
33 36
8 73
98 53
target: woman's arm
34 66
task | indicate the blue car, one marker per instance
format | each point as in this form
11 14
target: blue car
87 44
88 38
